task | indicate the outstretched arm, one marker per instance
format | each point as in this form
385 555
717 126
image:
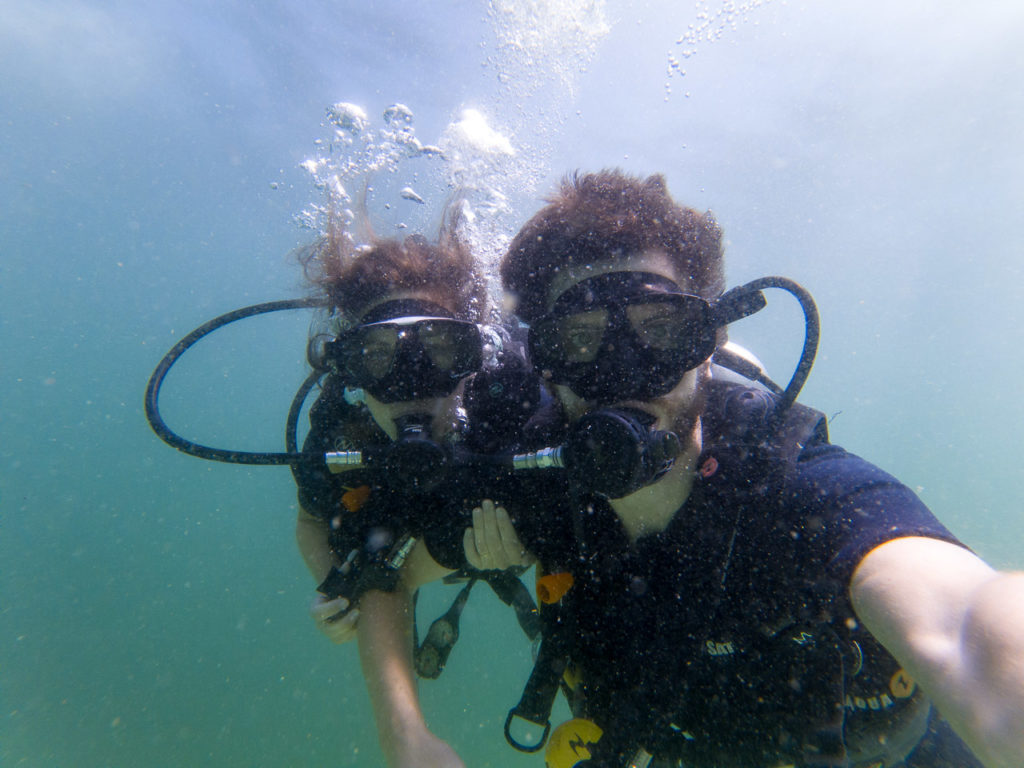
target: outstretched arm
957 627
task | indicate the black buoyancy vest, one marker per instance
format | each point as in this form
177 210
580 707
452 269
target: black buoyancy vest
672 641
373 522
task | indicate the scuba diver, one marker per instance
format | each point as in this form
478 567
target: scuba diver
740 592
383 484
384 515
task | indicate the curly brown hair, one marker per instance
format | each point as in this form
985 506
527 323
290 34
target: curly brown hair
354 278
606 216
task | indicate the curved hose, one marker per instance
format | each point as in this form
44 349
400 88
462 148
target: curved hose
156 380
812 331
740 307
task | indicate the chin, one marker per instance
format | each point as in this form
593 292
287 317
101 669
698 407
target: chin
678 408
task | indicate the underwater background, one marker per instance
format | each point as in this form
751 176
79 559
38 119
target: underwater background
160 160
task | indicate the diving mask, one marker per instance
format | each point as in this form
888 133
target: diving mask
623 336
407 350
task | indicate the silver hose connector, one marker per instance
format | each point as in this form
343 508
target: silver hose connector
342 461
546 458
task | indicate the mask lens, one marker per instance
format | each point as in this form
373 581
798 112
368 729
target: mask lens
576 337
631 347
376 351
675 324
668 325
450 345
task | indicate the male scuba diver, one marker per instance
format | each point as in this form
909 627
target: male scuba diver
721 585
742 592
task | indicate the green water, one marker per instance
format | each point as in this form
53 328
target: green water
153 606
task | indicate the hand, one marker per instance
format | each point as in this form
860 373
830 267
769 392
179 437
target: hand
333 618
492 543
424 750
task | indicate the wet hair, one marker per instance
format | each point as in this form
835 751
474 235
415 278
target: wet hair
355 278
601 217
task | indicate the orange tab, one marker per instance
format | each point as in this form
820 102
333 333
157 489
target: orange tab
354 498
551 587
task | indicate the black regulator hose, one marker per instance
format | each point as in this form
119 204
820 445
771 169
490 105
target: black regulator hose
735 304
292 456
812 331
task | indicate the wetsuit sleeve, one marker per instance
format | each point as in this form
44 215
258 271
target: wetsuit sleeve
850 506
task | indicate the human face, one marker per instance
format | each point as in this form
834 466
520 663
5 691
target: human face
622 331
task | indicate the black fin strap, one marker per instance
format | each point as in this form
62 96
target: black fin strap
512 592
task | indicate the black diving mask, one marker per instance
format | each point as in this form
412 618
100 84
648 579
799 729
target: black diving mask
407 350
623 336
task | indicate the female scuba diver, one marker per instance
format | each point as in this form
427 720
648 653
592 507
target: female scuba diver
403 340
743 593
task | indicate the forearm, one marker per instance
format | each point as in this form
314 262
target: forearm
992 649
385 651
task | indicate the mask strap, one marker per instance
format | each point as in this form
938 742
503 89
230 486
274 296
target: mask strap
390 310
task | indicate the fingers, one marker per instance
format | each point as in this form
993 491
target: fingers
469 546
483 542
515 552
334 619
507 533
341 629
323 606
492 543
492 534
479 535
